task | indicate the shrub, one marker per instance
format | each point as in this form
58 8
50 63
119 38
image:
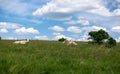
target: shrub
111 42
61 39
0 38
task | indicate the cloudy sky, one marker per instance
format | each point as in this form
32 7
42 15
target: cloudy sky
53 19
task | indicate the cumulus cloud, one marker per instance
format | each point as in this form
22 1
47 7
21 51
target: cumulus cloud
96 28
74 29
24 30
14 6
64 8
81 20
93 28
105 12
118 0
101 10
59 9
9 25
116 12
3 30
116 29
35 21
56 28
41 37
117 39
83 38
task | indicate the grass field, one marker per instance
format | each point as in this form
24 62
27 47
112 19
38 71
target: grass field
52 57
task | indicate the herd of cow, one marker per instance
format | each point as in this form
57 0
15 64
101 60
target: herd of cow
67 42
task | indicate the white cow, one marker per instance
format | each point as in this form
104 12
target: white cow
21 41
70 42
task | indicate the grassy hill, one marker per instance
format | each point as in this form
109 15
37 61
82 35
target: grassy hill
52 57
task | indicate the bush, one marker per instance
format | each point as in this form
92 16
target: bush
0 38
111 42
61 39
98 36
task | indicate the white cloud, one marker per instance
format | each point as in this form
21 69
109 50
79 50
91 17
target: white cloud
9 25
83 38
92 28
24 30
65 6
56 28
14 6
96 28
81 20
59 35
101 10
117 39
20 7
3 30
41 37
116 12
74 29
118 0
116 29
60 9
35 21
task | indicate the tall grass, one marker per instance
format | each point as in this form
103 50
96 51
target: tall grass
52 57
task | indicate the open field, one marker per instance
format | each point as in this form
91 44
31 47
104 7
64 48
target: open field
52 57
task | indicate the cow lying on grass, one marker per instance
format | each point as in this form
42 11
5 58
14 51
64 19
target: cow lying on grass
70 42
21 41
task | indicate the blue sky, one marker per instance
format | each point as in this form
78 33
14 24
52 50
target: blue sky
53 19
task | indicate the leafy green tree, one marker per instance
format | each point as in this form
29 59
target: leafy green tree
98 36
111 42
61 39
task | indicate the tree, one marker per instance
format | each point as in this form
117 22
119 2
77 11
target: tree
98 36
111 42
0 38
61 39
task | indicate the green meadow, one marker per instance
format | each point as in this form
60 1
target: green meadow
53 57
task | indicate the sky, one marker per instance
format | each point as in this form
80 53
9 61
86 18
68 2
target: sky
54 19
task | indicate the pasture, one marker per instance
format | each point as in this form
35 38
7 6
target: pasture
52 57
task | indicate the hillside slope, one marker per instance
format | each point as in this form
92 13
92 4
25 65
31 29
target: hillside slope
52 57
